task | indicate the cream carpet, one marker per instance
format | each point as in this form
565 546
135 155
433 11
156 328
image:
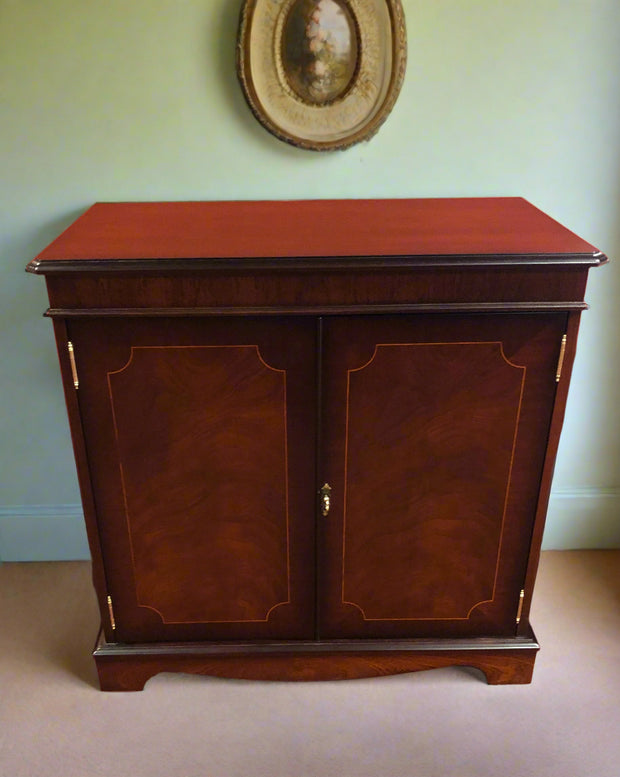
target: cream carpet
444 723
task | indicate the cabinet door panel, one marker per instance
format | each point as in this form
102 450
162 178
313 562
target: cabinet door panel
197 438
434 446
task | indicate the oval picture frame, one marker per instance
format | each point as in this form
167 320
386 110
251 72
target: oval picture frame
321 74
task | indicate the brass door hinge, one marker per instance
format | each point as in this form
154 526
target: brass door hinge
111 614
558 372
520 607
76 382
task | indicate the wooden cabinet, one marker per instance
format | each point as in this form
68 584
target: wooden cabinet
315 439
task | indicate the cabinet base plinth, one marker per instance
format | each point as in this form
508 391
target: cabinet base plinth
124 667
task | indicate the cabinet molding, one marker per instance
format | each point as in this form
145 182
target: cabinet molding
323 310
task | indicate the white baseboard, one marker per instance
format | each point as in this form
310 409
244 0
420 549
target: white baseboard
583 518
577 519
43 533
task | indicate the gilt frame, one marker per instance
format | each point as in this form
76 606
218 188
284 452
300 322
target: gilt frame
321 112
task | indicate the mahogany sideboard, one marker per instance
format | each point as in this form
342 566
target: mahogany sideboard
315 439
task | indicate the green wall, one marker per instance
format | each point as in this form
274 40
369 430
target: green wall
139 101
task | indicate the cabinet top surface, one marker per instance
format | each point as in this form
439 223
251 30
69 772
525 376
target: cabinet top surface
113 236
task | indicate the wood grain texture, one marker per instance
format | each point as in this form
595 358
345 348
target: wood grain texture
130 671
312 228
201 436
434 442
431 433
83 473
313 291
197 443
559 409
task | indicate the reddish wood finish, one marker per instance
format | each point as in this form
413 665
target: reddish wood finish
173 405
312 292
233 357
312 228
132 673
86 491
122 669
197 439
434 443
572 331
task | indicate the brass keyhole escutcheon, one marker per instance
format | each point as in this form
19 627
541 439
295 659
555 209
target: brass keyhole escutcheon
326 493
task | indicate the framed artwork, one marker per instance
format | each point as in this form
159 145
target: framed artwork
321 74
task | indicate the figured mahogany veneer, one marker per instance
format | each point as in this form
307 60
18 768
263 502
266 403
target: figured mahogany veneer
232 358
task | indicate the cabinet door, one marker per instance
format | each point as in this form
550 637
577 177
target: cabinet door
433 443
200 443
